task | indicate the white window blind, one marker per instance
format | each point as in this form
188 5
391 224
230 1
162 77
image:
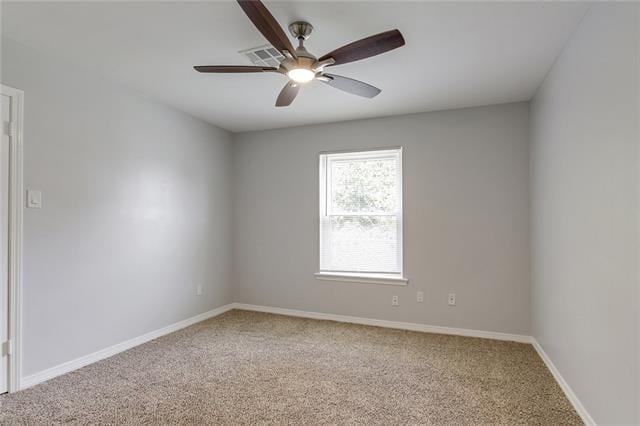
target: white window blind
361 212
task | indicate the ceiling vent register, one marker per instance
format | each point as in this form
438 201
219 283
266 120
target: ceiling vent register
263 56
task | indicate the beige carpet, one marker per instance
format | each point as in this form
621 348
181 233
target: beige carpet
254 368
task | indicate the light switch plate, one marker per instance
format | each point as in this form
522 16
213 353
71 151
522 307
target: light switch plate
34 199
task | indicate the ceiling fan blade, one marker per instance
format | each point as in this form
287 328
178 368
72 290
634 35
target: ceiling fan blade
352 86
366 48
267 25
288 94
232 68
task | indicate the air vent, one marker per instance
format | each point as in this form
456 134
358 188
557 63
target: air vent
264 56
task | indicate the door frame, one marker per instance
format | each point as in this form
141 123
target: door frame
16 207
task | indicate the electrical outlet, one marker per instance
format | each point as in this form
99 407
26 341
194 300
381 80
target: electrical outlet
452 299
394 301
420 297
199 290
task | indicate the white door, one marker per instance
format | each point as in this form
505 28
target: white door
7 115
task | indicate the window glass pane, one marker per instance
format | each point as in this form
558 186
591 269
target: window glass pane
364 185
360 212
360 244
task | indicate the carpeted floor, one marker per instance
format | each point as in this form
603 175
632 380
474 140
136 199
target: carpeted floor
254 368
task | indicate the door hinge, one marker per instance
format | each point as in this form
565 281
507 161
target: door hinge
7 348
9 128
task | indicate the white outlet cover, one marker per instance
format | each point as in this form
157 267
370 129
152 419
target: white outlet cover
199 290
394 301
452 299
420 297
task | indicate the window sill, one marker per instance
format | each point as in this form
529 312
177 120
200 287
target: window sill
362 278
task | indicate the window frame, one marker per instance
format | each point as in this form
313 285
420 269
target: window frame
325 199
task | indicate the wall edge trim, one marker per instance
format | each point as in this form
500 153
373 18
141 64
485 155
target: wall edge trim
571 396
387 324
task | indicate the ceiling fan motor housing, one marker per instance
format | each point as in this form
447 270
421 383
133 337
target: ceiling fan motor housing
305 60
300 30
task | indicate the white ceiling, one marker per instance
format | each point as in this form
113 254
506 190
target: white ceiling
457 54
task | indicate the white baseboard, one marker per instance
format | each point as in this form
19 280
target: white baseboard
571 396
388 324
77 363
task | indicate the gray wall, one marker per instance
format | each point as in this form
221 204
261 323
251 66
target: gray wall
466 218
136 212
584 156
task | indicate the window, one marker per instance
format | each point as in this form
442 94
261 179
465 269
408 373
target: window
361 216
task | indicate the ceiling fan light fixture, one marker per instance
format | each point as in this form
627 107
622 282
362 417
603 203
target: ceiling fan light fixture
298 64
301 75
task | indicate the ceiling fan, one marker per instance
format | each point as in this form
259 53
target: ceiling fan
301 66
